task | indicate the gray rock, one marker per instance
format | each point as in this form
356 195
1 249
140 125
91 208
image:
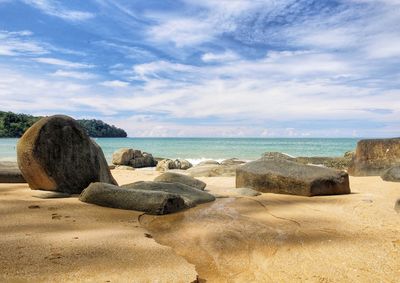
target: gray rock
339 163
168 164
134 158
213 171
171 177
122 156
152 202
190 195
208 162
374 156
232 161
10 173
392 174
277 155
397 206
287 177
56 154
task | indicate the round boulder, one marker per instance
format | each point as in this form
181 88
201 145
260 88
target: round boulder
392 174
56 154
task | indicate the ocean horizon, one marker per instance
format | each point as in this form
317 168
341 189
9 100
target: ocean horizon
199 149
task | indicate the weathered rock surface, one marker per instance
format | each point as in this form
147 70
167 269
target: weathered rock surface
339 163
56 154
208 162
169 164
374 156
134 158
152 202
190 195
171 177
288 177
10 173
392 174
213 171
232 161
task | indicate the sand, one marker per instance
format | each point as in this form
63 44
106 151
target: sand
269 238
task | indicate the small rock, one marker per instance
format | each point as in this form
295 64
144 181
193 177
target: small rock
33 206
397 206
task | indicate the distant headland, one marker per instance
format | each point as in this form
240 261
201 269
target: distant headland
14 125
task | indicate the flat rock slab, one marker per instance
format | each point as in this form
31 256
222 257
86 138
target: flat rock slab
287 177
171 177
50 195
151 202
392 174
190 195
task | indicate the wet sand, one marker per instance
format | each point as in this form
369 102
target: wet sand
269 238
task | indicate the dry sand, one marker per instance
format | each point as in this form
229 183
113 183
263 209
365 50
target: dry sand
269 238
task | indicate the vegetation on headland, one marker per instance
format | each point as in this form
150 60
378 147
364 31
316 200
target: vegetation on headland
14 125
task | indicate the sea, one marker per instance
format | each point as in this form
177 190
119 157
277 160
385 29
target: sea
199 149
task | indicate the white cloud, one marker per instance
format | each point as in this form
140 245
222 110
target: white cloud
216 57
19 43
115 83
74 75
62 63
54 8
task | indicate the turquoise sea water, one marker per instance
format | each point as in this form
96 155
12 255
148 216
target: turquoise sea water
197 149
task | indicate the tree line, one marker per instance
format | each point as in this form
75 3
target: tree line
14 125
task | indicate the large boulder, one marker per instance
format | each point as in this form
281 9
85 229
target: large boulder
213 171
170 177
288 177
392 174
190 195
10 173
374 156
169 164
152 202
133 157
56 154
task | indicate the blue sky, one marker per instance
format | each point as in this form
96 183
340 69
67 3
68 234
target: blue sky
259 68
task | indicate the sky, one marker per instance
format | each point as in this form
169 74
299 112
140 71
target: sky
209 68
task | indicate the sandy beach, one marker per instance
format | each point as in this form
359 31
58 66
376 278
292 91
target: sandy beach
269 238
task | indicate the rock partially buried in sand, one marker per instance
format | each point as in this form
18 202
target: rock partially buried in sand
190 195
169 164
213 171
247 192
152 202
10 173
374 156
287 177
392 175
170 177
56 154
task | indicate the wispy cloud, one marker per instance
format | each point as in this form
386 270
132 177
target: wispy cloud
74 75
55 8
62 63
19 43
